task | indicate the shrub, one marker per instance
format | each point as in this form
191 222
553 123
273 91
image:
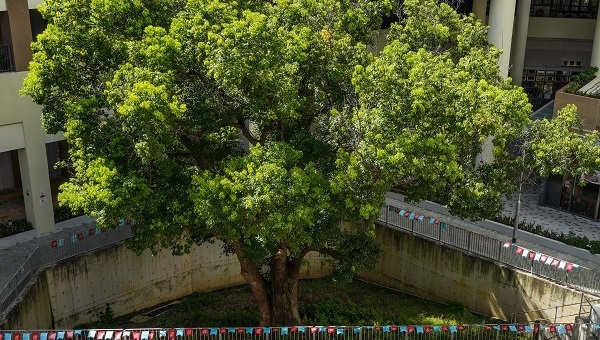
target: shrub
581 79
15 227
595 247
571 239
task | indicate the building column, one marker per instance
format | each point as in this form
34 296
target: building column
501 21
37 194
520 41
480 9
20 33
595 61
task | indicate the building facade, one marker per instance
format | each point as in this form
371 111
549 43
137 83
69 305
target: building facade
24 147
545 43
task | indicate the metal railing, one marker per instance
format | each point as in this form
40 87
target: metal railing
6 64
584 309
69 246
389 332
580 278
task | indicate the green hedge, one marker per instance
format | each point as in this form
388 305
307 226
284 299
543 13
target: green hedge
571 238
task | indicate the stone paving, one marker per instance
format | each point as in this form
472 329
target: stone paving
552 218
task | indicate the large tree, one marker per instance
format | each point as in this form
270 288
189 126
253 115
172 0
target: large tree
154 97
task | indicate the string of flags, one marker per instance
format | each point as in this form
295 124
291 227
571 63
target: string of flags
414 216
90 232
180 333
539 257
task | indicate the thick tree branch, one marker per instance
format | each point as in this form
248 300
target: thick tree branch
241 124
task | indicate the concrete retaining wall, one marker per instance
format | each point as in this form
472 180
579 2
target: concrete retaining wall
430 270
72 291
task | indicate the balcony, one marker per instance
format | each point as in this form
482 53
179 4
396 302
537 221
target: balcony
6 64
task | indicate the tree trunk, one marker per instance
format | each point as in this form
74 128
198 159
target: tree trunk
257 286
277 303
284 288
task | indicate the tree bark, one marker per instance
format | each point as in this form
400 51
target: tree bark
284 291
257 286
278 302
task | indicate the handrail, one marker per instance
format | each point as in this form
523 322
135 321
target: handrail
581 278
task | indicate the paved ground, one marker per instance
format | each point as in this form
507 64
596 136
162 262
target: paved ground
551 218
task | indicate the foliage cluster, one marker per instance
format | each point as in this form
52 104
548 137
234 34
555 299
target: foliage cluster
13 227
581 79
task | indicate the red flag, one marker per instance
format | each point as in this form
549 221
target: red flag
487 327
394 328
519 251
314 329
275 329
428 329
406 214
69 335
411 329
17 336
504 327
568 327
445 328
52 335
188 332
54 244
118 335
172 334
555 263
293 329
92 232
543 258
80 236
100 335
520 327
2 336
136 335
330 330
569 267
34 336
223 330
258 331
461 327
552 329
506 244
531 255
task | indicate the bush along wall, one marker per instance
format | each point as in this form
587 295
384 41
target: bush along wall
14 227
570 238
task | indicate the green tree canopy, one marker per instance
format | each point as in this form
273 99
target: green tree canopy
155 95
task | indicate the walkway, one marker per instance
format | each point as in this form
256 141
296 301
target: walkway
551 218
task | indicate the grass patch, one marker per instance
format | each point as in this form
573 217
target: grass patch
322 302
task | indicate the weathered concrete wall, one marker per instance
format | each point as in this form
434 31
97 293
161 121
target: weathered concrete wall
34 308
73 291
430 270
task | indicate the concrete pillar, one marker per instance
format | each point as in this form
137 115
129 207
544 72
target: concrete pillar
501 20
20 33
480 9
595 61
520 41
37 194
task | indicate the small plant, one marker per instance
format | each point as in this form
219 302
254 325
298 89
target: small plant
581 79
595 247
106 315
